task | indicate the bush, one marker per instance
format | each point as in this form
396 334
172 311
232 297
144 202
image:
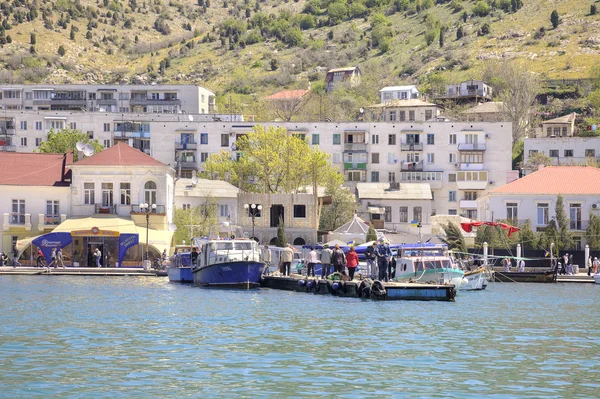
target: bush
61 50
481 9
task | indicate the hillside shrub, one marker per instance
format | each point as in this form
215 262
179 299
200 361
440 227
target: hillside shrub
481 9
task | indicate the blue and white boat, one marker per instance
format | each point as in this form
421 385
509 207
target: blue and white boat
427 263
180 269
228 263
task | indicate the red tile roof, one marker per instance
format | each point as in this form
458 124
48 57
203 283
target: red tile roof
584 180
288 95
34 169
120 155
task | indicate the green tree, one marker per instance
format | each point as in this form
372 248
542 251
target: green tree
536 161
441 38
281 240
549 235
459 33
32 38
454 238
59 142
565 236
554 19
341 209
481 9
593 9
371 234
527 237
592 233
195 222
61 50
337 12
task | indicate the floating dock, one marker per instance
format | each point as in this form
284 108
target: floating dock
362 288
79 271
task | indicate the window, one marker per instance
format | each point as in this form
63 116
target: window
553 153
125 193
542 214
388 214
106 143
451 196
391 176
374 176
337 139
470 195
225 140
187 206
23 125
52 209
549 132
203 138
223 210
428 114
391 139
557 131
452 212
430 138
471 157
577 243
452 138
417 214
375 157
91 96
38 141
154 96
39 126
512 212
402 116
412 139
72 125
451 177
353 176
23 141
452 158
150 193
28 95
590 153
107 194
203 156
315 139
568 153
18 212
575 216
392 116
299 211
107 127
186 138
564 131
375 139
403 214
411 116
90 134
430 158
89 196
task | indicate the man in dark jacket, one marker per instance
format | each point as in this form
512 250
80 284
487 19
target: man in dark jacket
338 259
384 255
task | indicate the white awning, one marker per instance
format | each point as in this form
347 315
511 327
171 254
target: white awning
373 209
56 117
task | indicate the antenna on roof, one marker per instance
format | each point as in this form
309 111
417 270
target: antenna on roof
191 118
88 150
79 145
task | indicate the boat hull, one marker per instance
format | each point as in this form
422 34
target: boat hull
180 274
476 280
597 278
237 274
438 276
525 277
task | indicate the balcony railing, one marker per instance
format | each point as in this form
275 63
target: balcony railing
131 135
160 210
355 166
107 209
7 131
53 220
188 163
190 145
411 147
355 147
8 148
150 101
17 218
68 101
107 102
471 147
578 225
410 166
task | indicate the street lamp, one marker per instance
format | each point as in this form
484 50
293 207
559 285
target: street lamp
146 208
254 210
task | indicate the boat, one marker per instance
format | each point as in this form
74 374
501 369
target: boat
427 263
231 263
546 276
477 279
180 268
597 278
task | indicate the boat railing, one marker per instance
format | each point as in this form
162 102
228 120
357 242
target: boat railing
233 255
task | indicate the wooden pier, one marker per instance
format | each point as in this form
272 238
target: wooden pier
79 271
362 288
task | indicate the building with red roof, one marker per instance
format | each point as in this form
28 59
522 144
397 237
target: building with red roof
534 197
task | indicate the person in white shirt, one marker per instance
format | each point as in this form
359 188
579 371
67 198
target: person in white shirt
521 266
311 260
266 256
98 255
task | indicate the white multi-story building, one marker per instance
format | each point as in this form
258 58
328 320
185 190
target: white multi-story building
150 99
224 195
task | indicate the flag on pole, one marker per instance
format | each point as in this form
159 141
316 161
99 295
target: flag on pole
414 223
546 253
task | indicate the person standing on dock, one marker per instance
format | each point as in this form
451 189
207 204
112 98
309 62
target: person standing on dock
52 258
39 262
338 259
371 260
266 256
596 264
311 260
98 256
59 258
325 261
521 267
384 254
287 256
351 262
16 257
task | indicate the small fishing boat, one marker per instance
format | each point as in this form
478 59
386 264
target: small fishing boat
547 276
427 263
477 279
231 263
180 269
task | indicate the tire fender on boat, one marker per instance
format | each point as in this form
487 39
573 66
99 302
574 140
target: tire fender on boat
301 283
377 290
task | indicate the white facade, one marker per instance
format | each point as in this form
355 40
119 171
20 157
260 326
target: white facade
563 150
398 93
224 195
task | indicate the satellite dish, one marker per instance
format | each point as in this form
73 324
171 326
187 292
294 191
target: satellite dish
191 118
88 150
173 227
194 179
362 110
80 145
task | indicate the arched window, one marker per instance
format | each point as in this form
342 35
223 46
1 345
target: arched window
273 241
299 241
150 193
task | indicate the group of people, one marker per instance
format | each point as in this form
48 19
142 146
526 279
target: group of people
564 264
56 258
507 265
593 265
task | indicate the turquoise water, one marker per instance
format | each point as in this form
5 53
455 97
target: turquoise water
131 337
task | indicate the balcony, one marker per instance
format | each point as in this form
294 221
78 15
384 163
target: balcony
355 147
154 101
120 135
69 101
470 166
16 220
578 225
411 147
434 179
105 209
471 184
411 166
45 101
46 222
186 146
107 102
188 163
472 204
471 147
160 210
8 148
355 166
7 131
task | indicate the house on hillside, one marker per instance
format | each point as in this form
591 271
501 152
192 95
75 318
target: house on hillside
287 103
412 110
533 198
337 75
563 126
468 91
485 112
399 93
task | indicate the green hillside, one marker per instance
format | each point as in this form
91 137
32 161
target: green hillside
243 49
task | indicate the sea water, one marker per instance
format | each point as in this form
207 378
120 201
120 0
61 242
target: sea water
132 337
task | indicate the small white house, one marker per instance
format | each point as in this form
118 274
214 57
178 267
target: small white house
398 93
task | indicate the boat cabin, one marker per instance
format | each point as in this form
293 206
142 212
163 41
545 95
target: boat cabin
225 251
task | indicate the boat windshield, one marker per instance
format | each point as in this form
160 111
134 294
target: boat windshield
224 245
243 245
432 264
230 245
423 252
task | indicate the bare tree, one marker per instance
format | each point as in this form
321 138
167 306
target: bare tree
287 104
516 88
